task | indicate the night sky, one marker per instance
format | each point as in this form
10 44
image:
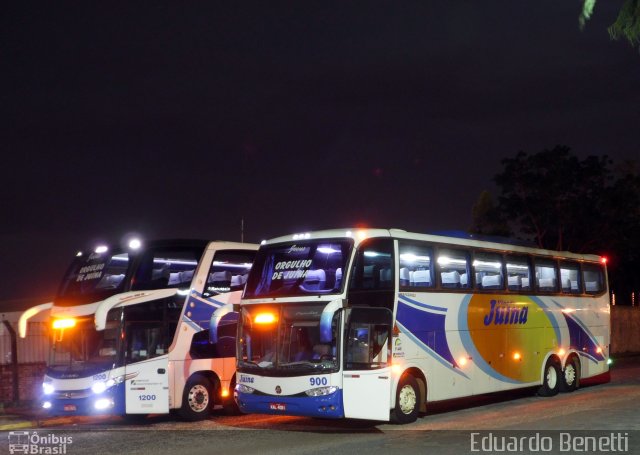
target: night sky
180 120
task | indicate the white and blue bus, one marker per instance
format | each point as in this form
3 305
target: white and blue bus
375 324
129 329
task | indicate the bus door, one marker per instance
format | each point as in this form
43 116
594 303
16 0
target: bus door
367 358
367 364
146 355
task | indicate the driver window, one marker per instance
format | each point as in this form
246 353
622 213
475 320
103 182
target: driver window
367 339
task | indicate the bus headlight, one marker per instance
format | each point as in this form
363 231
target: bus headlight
321 391
241 388
99 387
103 403
48 388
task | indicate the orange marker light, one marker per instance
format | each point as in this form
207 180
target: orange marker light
561 352
265 318
517 356
64 323
599 350
462 361
224 393
396 368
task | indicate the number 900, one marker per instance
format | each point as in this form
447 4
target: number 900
318 381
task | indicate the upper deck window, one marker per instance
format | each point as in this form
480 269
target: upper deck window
546 275
488 270
519 273
593 277
416 266
167 268
229 271
453 268
373 269
299 268
570 277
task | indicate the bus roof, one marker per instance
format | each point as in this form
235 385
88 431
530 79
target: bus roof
360 234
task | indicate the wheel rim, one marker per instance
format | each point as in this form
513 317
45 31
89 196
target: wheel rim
552 377
407 399
198 398
569 374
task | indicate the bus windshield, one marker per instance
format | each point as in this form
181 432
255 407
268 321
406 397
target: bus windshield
299 269
81 350
285 340
95 273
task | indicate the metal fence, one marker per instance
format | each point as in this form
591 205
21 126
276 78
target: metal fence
32 349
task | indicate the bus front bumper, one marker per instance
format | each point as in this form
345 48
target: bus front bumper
326 406
65 404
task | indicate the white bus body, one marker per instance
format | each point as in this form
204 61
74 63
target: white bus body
374 324
143 347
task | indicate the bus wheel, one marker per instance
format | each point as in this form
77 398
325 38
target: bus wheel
570 378
407 400
197 399
551 378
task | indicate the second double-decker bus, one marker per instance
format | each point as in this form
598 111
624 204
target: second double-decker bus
375 324
129 329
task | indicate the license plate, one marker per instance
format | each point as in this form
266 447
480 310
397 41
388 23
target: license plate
69 407
277 406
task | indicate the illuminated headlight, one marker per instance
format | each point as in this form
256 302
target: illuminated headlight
46 405
99 387
48 388
320 391
241 388
103 403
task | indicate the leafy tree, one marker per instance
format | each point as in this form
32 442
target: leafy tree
583 206
487 219
627 23
544 193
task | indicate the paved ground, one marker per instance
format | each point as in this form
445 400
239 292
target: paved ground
596 411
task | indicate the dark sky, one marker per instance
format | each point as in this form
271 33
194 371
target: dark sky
180 120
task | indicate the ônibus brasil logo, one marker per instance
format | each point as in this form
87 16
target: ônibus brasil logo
35 443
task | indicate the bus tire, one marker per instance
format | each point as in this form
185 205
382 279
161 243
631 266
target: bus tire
551 378
570 377
231 408
407 400
197 399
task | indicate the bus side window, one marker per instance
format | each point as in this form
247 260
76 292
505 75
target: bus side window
488 270
147 330
546 275
593 277
374 266
229 271
518 273
416 266
453 266
570 281
367 345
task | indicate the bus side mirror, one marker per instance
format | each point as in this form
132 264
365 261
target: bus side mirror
215 320
326 318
